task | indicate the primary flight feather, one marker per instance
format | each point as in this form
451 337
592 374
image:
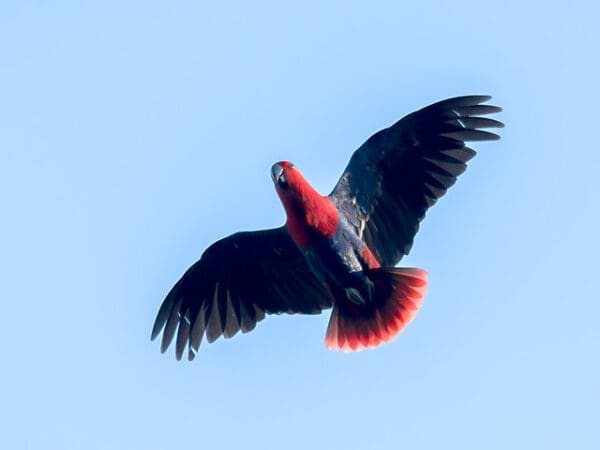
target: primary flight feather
338 250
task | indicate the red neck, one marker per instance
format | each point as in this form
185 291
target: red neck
308 213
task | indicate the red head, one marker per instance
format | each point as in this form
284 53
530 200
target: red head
288 180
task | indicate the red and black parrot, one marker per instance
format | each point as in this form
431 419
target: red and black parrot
338 250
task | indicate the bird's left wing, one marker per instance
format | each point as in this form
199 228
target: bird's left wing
235 283
401 171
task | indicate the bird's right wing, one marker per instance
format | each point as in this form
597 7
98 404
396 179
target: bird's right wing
235 283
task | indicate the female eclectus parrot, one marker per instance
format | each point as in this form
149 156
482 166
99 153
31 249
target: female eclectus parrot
338 250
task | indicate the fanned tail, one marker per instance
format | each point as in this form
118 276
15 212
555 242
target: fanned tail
397 297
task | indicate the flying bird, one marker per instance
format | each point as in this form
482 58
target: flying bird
338 250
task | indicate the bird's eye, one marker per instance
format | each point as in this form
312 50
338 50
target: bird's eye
291 166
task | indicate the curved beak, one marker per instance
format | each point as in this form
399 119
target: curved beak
278 174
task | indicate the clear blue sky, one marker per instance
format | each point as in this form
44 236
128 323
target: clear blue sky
134 134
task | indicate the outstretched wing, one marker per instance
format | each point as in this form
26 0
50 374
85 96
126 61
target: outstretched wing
235 283
399 172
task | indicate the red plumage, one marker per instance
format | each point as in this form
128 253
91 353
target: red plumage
306 209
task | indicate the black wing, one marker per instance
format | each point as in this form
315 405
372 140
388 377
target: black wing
399 172
235 283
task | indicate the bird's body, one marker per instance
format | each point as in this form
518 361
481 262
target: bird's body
332 249
338 250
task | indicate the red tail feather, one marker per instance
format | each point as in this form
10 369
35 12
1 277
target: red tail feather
398 296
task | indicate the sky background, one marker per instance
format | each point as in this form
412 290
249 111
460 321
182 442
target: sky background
134 134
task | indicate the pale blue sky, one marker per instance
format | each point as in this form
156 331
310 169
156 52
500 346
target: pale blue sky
134 134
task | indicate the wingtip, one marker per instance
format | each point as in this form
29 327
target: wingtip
155 332
164 345
467 105
481 98
493 109
466 100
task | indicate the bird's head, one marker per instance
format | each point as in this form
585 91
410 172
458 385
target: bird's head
289 181
286 177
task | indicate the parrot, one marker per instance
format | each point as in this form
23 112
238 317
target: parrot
336 251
